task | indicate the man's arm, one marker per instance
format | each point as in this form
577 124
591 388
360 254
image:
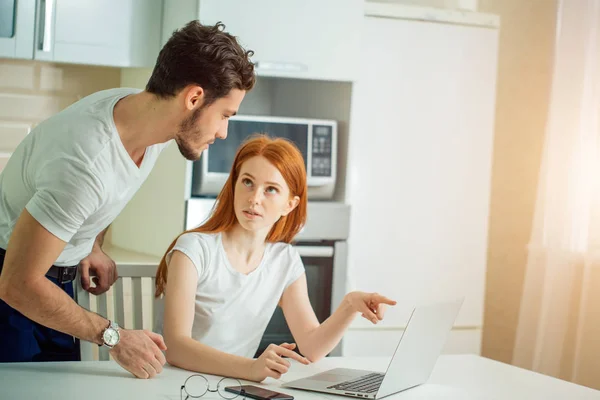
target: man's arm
100 238
30 252
100 265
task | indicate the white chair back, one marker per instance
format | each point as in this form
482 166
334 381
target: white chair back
130 302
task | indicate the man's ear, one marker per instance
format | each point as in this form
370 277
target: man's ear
193 97
292 203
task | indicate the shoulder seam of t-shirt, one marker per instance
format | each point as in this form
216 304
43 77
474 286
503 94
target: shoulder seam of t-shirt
295 272
111 128
188 255
204 247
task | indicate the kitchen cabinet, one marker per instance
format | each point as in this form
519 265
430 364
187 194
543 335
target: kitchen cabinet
420 155
120 33
307 39
17 26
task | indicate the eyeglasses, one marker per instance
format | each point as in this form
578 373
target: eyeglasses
197 385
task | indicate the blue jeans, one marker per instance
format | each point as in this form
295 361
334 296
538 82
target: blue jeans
22 339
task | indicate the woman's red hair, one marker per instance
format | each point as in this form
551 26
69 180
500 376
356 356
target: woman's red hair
286 157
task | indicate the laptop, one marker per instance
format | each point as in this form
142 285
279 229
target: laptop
417 351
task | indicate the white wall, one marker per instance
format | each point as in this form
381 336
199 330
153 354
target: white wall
32 91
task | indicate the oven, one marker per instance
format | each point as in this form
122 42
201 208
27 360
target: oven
318 260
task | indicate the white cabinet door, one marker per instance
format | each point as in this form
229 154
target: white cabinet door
120 33
311 39
17 19
420 164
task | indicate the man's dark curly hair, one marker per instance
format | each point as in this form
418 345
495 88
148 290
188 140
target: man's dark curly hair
202 55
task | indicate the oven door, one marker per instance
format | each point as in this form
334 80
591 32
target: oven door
318 263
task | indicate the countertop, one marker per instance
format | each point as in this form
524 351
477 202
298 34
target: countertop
128 257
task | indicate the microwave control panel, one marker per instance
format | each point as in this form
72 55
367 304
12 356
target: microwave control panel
322 158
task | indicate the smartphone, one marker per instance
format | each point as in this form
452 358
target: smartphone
258 393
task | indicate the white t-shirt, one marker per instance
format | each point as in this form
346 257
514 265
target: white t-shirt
232 309
73 175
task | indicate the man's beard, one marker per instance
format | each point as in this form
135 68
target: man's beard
186 133
186 151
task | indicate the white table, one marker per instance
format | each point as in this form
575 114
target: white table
455 377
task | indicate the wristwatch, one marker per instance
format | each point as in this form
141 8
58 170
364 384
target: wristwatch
111 336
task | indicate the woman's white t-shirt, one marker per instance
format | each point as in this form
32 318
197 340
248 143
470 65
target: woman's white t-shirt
233 309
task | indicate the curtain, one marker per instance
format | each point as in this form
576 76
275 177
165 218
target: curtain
559 321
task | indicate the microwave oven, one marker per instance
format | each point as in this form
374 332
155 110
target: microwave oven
315 138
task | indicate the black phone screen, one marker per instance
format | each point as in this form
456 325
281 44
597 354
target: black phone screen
255 392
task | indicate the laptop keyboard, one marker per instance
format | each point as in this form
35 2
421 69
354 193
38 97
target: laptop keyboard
365 384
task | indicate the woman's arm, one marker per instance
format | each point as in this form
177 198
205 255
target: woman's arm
316 341
182 350
185 352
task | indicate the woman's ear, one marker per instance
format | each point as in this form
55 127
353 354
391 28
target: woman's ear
291 204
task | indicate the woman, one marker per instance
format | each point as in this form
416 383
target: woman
226 277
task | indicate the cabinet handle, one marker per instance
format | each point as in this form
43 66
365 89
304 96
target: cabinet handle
47 9
314 251
280 66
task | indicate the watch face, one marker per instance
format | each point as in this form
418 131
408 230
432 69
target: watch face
111 336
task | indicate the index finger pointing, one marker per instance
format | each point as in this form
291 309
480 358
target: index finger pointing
382 299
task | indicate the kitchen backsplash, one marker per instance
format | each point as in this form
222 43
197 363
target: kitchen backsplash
32 91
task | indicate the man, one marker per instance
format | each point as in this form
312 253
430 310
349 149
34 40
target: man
73 174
